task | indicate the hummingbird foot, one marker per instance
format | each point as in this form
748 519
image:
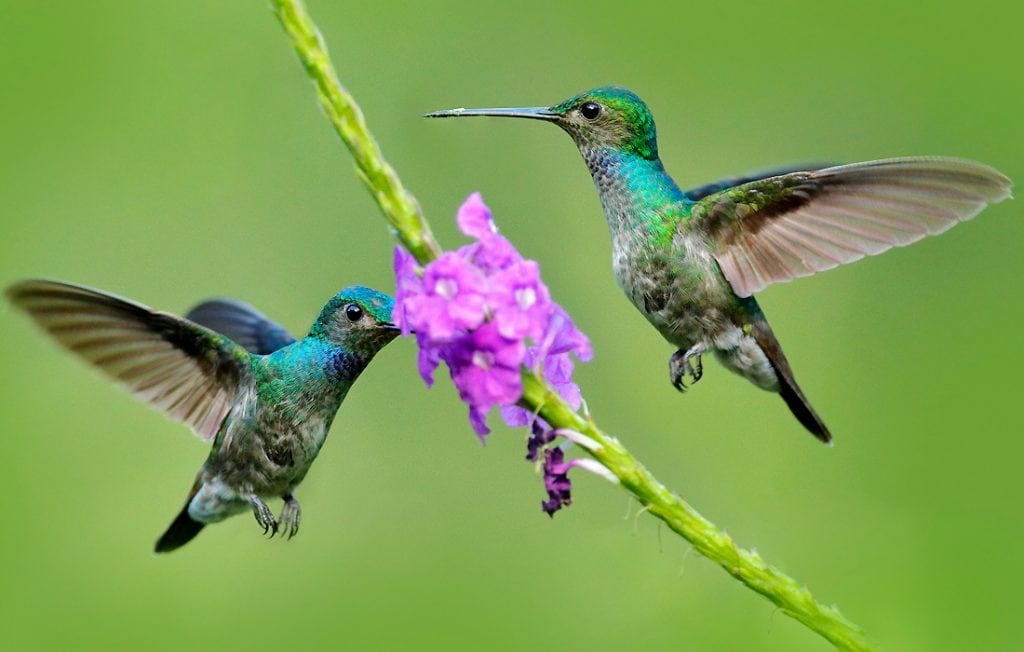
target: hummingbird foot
263 515
686 363
290 516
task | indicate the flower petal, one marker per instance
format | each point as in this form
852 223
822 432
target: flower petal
474 218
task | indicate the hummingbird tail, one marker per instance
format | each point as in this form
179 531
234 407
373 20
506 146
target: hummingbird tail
788 389
801 409
183 529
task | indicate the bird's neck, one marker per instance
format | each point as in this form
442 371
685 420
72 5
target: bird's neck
312 371
638 196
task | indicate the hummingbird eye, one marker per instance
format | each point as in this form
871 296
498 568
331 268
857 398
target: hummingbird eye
353 312
590 110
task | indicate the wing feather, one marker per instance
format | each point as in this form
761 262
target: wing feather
248 327
724 184
796 224
190 372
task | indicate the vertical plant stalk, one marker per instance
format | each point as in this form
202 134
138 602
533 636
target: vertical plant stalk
403 213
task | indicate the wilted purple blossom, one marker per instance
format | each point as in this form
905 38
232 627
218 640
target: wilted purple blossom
540 436
556 481
485 312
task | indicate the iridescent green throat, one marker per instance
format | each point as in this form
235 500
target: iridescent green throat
636 192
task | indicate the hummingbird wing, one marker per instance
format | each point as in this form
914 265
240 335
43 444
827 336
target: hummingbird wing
796 224
246 326
191 373
700 192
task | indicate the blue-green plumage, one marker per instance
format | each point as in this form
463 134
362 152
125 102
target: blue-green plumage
690 261
266 399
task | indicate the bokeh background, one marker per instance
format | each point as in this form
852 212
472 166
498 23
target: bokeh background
173 151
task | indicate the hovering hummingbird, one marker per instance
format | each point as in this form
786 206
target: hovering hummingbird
690 261
266 399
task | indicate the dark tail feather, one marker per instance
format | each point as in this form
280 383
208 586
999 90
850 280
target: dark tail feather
182 530
788 388
801 409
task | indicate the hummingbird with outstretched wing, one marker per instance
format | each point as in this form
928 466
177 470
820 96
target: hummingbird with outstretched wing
264 398
691 261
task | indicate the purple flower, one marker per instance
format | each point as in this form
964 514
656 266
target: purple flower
484 311
478 421
515 416
556 370
562 336
451 301
428 358
519 301
492 254
475 309
407 283
485 367
558 373
474 218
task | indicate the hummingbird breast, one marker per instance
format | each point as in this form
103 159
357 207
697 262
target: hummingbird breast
677 288
684 295
268 447
667 270
259 456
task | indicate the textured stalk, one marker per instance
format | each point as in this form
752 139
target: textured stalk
400 208
745 565
403 213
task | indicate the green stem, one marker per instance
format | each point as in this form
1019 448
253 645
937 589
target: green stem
400 208
411 228
745 565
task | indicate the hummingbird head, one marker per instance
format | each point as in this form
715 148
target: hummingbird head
611 116
357 319
606 116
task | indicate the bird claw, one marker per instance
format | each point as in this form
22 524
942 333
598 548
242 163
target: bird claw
682 364
290 517
263 515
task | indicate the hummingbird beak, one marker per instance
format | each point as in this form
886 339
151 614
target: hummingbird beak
392 329
531 113
388 332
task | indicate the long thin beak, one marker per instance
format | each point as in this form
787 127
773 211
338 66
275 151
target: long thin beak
531 113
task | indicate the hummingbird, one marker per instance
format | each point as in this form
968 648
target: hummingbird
691 260
265 399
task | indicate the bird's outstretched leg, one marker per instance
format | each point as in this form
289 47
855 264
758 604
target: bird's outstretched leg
290 516
263 514
681 364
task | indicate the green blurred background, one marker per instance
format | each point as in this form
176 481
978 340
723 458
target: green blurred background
173 151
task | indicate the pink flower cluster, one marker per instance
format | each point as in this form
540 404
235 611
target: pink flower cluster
485 312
